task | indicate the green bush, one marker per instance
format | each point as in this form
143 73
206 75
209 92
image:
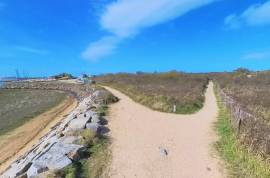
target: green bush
89 137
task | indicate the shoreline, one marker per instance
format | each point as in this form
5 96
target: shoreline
17 142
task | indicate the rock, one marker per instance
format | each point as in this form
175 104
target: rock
36 169
54 158
73 132
69 139
76 155
78 123
94 126
162 151
59 163
95 118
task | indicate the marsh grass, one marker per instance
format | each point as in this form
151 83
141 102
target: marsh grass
240 162
20 106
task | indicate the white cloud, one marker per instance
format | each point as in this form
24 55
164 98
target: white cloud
31 50
256 14
126 18
257 56
104 47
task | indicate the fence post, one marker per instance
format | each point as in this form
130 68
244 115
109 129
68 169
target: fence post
174 108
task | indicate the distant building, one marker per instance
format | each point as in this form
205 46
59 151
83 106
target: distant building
250 76
62 76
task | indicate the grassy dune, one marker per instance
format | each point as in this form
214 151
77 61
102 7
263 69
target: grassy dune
161 91
19 106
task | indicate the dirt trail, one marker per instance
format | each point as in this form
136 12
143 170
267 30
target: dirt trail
137 132
21 140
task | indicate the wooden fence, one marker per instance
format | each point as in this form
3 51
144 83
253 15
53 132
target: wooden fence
254 134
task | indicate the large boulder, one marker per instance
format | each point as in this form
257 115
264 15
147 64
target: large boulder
54 158
76 155
78 123
59 163
94 126
94 118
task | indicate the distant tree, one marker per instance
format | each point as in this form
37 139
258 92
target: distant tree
139 72
242 70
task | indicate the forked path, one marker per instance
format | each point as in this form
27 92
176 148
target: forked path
137 132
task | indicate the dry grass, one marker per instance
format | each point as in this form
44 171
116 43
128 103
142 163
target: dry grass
160 91
252 93
240 162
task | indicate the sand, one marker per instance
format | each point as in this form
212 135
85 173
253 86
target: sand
137 132
18 142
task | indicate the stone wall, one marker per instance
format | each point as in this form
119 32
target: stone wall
254 133
79 91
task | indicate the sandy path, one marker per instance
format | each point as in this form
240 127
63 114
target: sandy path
137 132
18 142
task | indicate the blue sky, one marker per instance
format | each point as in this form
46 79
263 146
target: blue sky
48 37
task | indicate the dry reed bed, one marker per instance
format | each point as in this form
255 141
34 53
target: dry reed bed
248 102
160 91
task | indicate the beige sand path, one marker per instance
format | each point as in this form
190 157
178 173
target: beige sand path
137 132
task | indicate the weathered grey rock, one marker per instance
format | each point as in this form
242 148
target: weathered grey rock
78 123
36 169
69 139
54 158
95 119
59 163
94 126
76 155
162 151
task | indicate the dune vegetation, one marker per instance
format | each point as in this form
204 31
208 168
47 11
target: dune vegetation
161 91
252 93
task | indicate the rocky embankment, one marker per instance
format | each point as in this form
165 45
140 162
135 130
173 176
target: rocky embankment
62 145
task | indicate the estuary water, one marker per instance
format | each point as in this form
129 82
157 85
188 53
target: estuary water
2 83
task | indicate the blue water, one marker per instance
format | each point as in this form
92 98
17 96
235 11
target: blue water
2 83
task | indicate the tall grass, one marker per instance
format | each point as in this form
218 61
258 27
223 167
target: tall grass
252 93
161 91
240 162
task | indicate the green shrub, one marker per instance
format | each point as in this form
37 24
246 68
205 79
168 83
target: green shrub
89 137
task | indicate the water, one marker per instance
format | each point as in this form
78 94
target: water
2 83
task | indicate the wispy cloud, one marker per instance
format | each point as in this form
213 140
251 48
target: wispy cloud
256 14
126 18
104 47
31 50
257 56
